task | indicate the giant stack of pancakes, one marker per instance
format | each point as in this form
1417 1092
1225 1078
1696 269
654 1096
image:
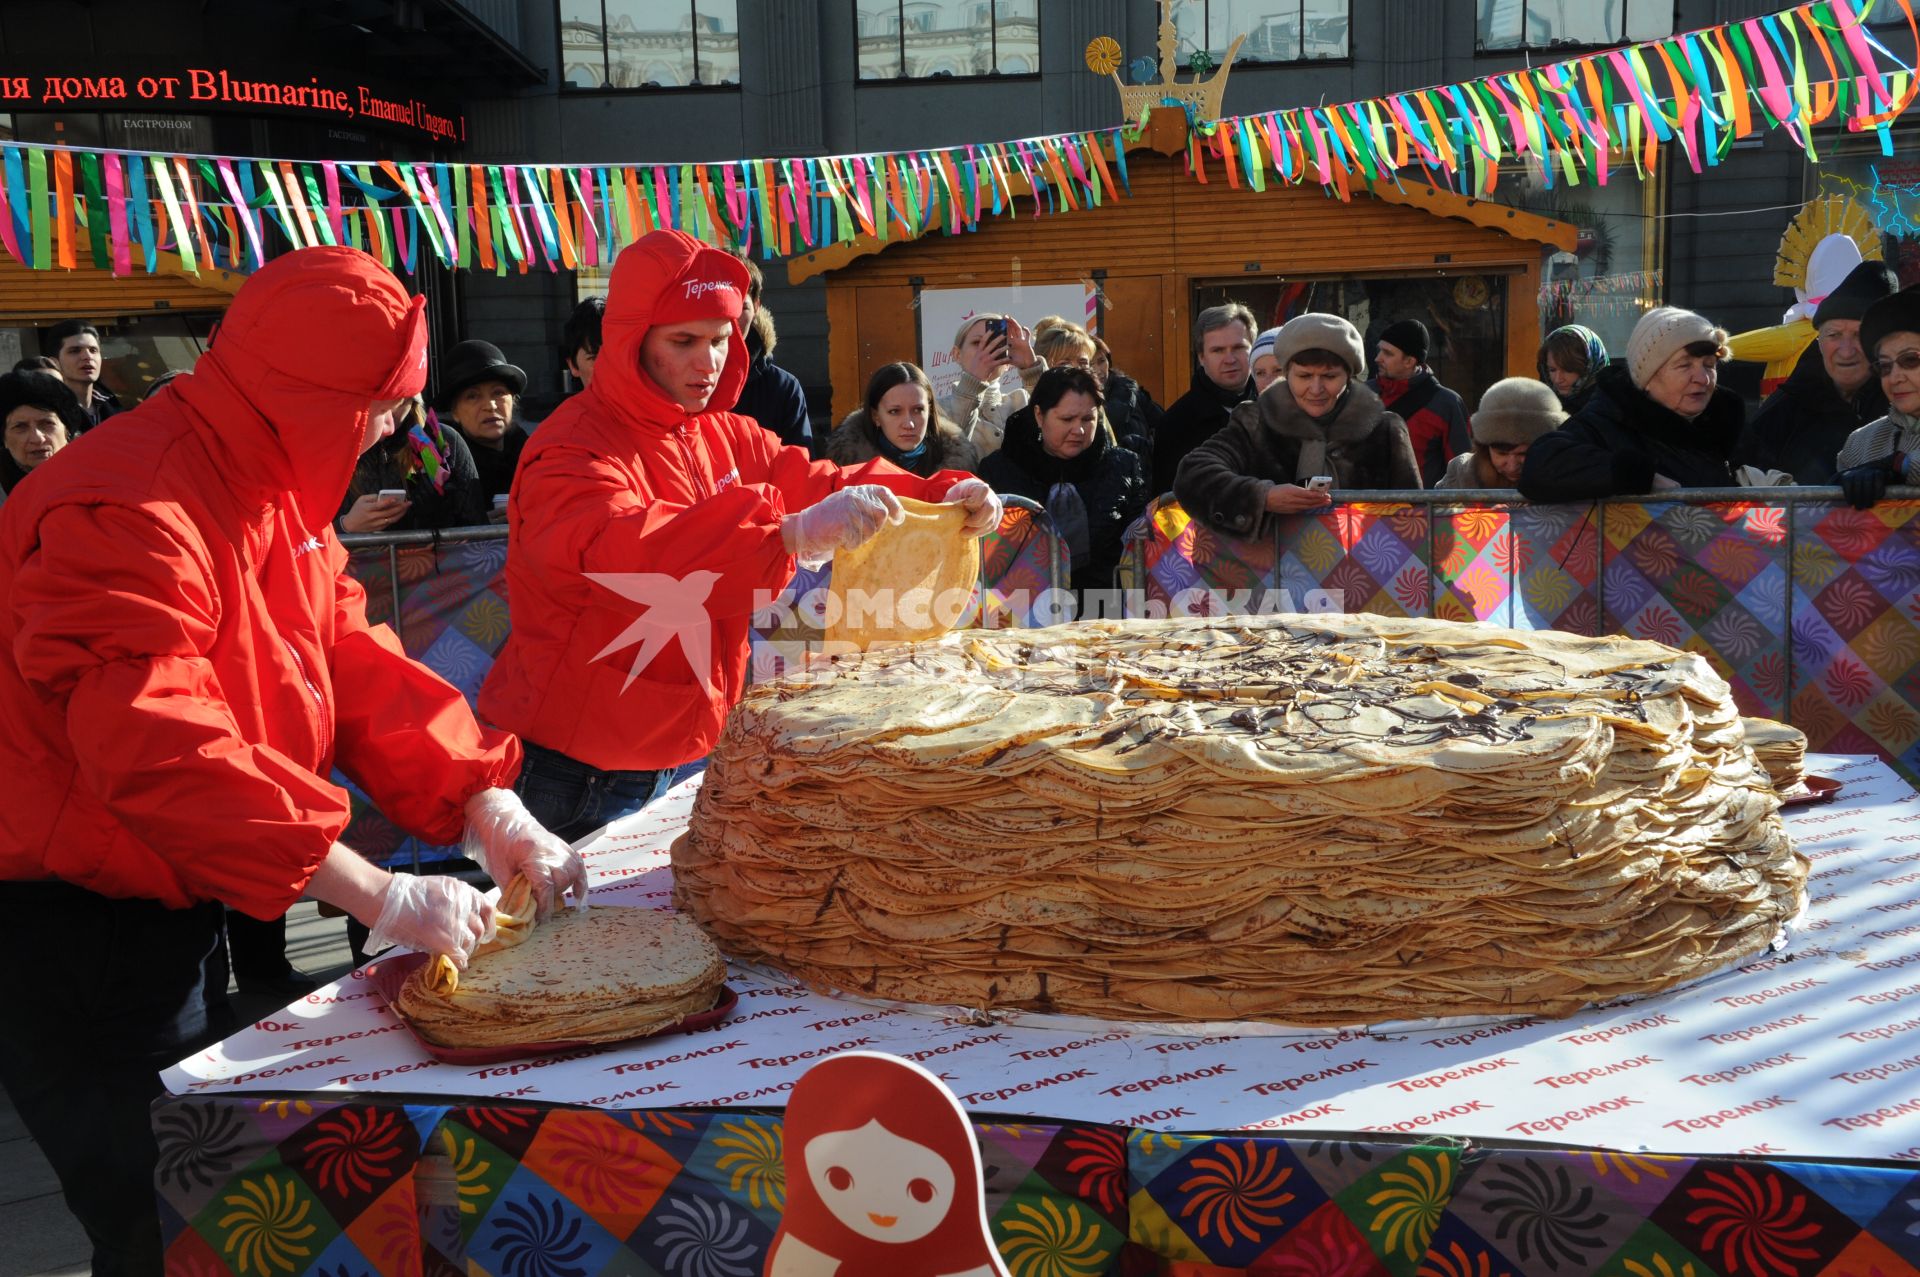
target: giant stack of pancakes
1325 820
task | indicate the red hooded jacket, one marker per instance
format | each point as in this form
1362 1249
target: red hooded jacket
182 658
622 480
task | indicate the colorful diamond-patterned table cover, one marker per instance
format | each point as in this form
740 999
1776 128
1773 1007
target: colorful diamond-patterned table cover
1810 610
298 1186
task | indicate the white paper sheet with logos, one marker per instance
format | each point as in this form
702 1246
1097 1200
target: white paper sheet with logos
1815 1051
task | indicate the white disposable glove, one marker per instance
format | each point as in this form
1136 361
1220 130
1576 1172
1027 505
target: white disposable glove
504 839
982 503
432 914
841 521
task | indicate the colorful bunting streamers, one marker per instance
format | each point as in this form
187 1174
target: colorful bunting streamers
1815 64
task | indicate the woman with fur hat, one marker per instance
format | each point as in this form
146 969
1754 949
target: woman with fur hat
1661 422
898 422
1513 413
1318 418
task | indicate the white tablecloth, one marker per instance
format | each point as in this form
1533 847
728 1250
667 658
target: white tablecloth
1813 1051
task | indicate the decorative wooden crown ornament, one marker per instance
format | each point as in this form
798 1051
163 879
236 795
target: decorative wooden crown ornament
1202 94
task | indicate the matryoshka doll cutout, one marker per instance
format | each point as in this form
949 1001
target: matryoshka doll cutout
883 1176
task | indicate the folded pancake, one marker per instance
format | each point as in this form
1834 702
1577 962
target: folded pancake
592 975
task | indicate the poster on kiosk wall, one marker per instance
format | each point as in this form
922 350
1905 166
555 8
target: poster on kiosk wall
943 309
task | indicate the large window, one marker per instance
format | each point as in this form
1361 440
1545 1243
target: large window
922 39
649 44
1276 30
1547 24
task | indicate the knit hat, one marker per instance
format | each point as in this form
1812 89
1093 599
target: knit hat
1315 331
1661 333
1263 344
1517 411
1408 336
1899 313
1866 284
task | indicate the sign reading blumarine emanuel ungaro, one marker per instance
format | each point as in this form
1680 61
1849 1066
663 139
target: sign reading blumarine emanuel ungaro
328 95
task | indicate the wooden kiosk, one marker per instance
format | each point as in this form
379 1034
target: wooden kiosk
1174 240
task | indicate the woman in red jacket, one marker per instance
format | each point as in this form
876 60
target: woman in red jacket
645 528
183 662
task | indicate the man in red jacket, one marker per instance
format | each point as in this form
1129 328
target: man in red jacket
183 662
644 527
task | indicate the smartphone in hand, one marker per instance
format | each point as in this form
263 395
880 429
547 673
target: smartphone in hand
1320 483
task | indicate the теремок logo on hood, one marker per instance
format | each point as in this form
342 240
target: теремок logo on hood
697 288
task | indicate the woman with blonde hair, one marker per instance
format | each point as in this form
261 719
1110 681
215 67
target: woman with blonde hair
985 347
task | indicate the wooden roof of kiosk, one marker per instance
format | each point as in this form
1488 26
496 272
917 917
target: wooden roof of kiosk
27 295
1169 231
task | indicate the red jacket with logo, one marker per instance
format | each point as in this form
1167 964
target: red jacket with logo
679 507
183 660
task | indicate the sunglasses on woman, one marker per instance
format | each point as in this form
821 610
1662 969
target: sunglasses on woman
1905 361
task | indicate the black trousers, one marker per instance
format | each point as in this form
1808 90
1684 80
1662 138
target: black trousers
102 995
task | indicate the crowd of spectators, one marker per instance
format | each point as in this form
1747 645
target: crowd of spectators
1272 422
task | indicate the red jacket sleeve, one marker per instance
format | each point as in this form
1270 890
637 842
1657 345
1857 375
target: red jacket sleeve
116 614
592 520
405 735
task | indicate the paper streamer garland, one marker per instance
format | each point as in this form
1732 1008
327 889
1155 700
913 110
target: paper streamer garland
1813 64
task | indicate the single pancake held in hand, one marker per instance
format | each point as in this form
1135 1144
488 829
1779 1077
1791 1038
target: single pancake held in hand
1313 820
912 580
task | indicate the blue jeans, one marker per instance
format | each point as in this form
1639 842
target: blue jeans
106 993
572 799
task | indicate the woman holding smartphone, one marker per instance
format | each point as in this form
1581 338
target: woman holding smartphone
420 478
984 348
1317 427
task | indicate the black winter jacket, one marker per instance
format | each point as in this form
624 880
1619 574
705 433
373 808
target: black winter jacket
1133 414
1622 438
1194 418
1111 481
774 397
1802 425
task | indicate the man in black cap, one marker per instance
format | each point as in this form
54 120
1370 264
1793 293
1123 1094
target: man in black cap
480 391
1436 419
1832 391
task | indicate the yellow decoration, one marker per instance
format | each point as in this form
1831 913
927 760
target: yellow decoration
1817 219
1103 55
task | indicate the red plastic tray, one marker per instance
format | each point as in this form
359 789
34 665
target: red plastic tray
388 974
1813 791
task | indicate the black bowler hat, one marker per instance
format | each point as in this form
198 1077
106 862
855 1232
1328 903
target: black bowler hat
472 362
1864 285
1899 313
